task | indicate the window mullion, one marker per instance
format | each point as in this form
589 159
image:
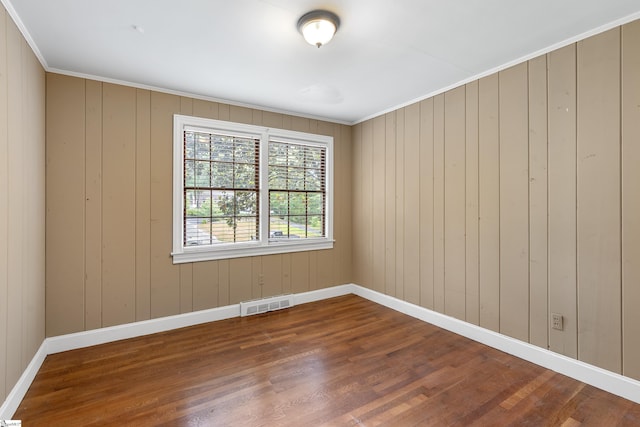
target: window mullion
264 189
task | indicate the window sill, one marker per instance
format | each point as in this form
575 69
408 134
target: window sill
249 250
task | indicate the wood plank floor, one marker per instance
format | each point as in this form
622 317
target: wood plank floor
339 362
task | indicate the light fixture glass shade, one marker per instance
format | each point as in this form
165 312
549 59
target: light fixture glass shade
318 27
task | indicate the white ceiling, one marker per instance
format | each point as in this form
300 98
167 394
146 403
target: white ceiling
248 52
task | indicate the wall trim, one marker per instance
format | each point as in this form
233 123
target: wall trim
18 391
611 382
136 329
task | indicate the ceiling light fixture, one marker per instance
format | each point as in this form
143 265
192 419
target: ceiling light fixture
318 26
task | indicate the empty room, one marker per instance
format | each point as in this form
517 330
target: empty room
286 213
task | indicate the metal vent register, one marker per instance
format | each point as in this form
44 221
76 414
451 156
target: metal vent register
264 305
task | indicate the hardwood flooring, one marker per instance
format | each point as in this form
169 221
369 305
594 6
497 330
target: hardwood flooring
339 362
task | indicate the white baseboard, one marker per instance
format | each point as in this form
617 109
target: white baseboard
326 293
614 383
606 380
130 330
18 391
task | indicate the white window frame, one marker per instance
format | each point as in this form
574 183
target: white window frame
262 246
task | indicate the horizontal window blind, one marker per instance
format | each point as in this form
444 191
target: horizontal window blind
221 188
297 190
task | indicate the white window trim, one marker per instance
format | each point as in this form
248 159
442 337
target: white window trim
263 246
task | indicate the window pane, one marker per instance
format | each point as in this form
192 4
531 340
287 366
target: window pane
297 204
202 177
277 177
222 175
203 149
297 226
246 203
198 232
297 209
313 180
197 203
222 148
245 151
314 226
189 147
314 203
314 158
189 173
278 203
245 176
230 229
296 155
277 154
295 179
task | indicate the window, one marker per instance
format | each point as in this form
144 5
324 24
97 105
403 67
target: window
242 190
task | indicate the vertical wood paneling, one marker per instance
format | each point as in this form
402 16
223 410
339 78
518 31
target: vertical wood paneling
390 204
366 218
271 119
256 277
631 199
412 204
186 288
22 204
599 239
561 66
438 204
137 126
454 203
118 204
325 269
224 111
538 294
400 214
356 221
343 206
165 277
223 283
299 124
240 114
33 121
489 201
272 271
16 208
93 205
257 117
5 387
205 285
186 270
514 202
240 280
300 272
65 204
471 205
4 207
378 208
143 208
313 271
205 109
286 272
426 203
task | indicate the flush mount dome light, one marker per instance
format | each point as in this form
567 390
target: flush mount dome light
318 26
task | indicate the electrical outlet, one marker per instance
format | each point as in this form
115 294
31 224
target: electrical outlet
556 321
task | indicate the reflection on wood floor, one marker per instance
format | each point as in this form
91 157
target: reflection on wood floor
344 361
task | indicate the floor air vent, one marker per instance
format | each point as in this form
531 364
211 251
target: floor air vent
248 308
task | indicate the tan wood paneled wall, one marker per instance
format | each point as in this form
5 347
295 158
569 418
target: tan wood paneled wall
512 197
22 204
109 211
